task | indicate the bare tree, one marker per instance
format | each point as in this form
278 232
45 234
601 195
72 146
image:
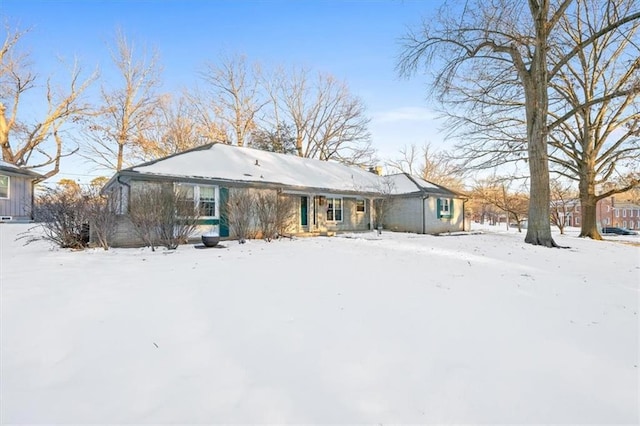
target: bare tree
482 211
432 165
127 111
383 204
280 140
209 126
498 191
595 117
633 195
36 143
233 95
498 59
407 162
172 129
329 123
563 201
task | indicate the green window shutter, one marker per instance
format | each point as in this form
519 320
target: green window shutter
438 208
224 223
451 208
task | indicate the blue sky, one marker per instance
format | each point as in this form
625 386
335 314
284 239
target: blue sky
356 41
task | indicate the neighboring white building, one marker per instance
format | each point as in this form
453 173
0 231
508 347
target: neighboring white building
16 192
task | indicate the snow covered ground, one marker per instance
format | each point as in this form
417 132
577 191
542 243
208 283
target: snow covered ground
356 328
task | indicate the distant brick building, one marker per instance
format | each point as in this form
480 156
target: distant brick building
611 211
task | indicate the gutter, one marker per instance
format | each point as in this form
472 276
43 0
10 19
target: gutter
424 216
464 221
128 190
33 199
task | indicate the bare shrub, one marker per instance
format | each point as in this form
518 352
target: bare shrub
63 217
239 211
101 216
274 214
162 215
178 217
143 213
285 216
265 207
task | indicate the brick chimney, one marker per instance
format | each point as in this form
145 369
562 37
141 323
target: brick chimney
376 170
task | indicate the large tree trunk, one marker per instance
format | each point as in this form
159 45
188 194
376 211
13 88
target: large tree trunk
588 204
537 107
539 221
120 156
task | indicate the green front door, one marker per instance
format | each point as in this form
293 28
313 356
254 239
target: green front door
304 205
224 222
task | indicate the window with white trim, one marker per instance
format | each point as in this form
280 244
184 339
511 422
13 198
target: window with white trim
624 212
4 186
617 212
445 208
608 221
360 206
334 209
204 198
577 220
624 223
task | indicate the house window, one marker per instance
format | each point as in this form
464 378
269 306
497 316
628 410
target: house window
207 201
624 213
577 220
445 208
624 224
4 186
608 221
203 197
617 212
334 209
578 208
360 206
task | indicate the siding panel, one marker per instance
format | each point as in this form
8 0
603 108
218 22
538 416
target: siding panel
19 203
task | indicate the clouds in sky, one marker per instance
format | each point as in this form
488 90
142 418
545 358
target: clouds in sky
397 127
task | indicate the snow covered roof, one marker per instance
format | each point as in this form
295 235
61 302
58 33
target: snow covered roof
223 162
12 168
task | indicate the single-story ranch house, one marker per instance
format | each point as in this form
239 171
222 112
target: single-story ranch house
328 196
16 192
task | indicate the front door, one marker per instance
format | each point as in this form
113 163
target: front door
304 206
224 220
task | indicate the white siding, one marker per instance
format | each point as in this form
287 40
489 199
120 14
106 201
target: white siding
18 205
406 215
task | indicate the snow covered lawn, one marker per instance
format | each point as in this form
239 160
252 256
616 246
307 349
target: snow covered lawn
401 328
